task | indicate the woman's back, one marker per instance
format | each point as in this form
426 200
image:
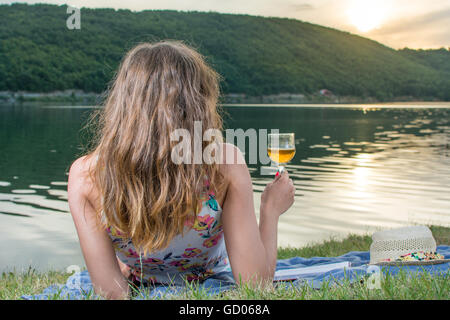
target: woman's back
197 254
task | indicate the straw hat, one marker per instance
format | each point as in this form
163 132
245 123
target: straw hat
405 246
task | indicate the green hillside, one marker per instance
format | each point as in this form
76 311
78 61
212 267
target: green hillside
255 55
438 59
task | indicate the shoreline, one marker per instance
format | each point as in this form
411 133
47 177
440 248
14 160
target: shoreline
74 96
374 105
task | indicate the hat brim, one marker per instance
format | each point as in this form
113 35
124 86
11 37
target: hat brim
410 263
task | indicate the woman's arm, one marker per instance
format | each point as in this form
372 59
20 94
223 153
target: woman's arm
252 250
96 246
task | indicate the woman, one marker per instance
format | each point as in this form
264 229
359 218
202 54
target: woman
141 216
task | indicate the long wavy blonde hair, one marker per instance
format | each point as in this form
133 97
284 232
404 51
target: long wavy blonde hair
158 88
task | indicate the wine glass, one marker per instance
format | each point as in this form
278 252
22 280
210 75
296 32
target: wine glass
281 148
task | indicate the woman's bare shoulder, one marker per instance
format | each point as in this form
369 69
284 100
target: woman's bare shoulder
231 154
233 165
79 178
80 167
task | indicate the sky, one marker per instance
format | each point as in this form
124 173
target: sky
395 23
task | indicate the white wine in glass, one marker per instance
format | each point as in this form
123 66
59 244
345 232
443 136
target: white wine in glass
281 148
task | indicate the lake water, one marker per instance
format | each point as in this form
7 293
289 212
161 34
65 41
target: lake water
357 169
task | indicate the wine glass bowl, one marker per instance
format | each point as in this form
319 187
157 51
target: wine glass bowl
281 148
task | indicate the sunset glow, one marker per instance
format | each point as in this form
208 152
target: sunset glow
366 15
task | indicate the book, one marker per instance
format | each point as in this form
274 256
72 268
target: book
295 273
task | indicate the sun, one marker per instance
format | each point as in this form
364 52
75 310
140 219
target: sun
366 15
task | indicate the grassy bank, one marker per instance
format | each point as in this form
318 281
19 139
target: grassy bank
402 286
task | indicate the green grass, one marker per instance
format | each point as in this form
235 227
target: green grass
420 286
334 248
401 286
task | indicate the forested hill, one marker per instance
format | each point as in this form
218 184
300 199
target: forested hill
254 55
438 59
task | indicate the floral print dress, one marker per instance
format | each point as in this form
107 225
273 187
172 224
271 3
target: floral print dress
197 255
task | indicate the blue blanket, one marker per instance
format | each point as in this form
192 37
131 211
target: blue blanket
79 285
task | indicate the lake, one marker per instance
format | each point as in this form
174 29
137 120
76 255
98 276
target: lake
357 169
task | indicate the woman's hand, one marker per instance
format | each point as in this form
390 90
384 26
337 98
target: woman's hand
278 196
